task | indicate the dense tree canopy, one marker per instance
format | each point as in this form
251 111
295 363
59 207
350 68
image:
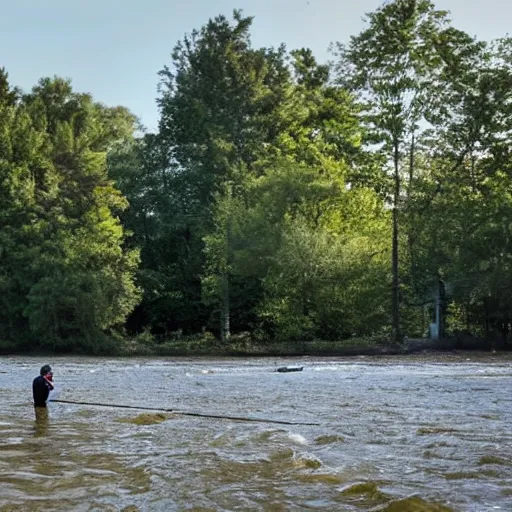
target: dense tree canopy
287 198
66 278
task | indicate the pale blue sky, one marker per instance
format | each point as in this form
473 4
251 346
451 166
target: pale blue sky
114 48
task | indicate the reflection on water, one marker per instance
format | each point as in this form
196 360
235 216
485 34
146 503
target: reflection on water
397 435
42 421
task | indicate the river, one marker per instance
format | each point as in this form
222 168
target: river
421 434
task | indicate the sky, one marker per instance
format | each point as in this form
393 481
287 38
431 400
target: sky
115 48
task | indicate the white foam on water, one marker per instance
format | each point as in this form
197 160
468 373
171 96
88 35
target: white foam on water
14 440
325 368
297 438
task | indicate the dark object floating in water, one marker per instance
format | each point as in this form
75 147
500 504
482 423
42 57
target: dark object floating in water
286 369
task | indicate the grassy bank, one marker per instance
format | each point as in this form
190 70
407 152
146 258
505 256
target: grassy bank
246 346
208 345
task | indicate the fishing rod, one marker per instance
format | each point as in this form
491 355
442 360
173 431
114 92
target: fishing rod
193 414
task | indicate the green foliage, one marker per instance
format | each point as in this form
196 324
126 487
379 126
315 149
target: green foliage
400 66
463 194
283 201
326 283
66 278
263 202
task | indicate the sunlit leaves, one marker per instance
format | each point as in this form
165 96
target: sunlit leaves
69 277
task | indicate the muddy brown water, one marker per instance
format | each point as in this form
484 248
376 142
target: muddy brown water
423 434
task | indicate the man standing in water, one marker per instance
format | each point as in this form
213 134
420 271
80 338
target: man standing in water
41 388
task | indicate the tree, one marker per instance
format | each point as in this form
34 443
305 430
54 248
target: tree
466 189
20 147
63 242
218 102
235 122
324 267
396 66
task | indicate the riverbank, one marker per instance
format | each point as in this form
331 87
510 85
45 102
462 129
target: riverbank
245 346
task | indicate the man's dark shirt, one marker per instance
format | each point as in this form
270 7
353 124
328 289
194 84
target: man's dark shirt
40 390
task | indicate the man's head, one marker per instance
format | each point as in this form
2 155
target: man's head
46 369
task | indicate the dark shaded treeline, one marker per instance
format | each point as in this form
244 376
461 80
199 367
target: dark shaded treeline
282 197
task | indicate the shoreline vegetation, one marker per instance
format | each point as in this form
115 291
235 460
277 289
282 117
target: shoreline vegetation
206 345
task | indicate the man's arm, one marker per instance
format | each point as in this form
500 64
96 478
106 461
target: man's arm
46 391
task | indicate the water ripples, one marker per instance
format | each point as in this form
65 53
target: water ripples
395 435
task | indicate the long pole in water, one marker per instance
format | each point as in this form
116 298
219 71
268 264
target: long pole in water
184 413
